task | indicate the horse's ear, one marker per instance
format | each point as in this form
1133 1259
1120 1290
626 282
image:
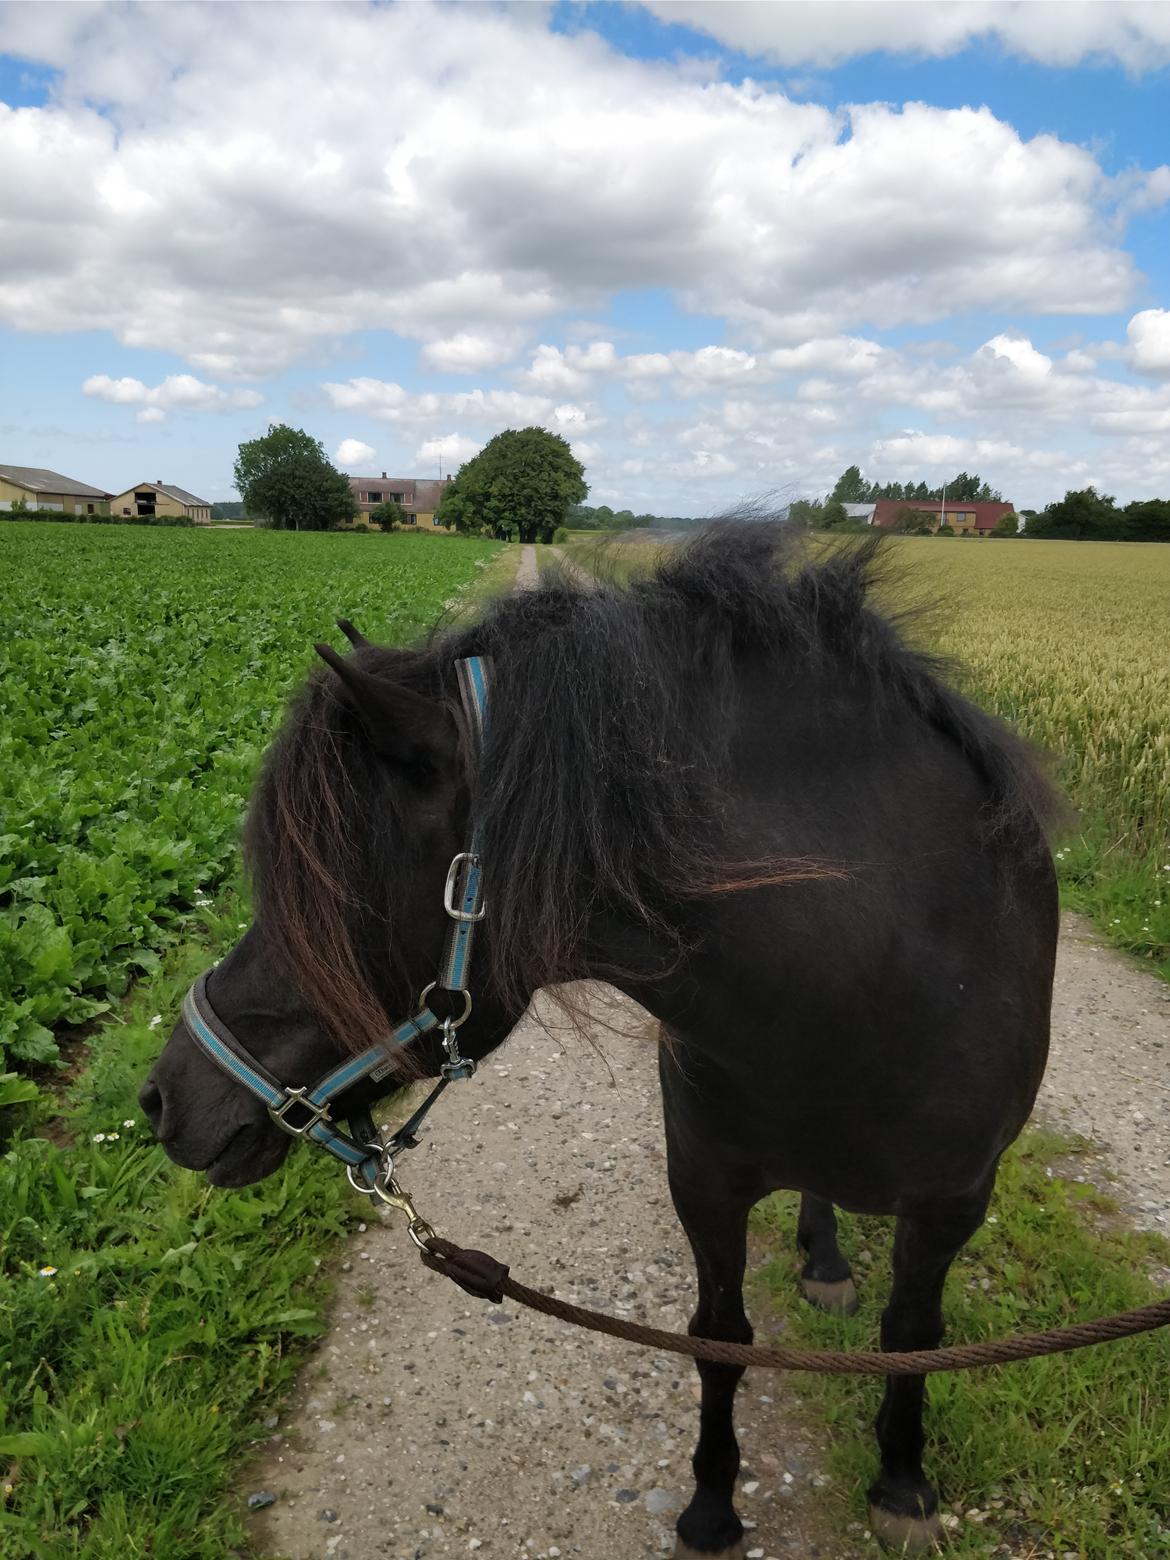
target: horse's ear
356 639
402 727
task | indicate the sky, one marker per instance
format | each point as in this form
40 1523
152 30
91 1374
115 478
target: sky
726 250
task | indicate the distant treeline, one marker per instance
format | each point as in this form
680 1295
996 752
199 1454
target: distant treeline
586 517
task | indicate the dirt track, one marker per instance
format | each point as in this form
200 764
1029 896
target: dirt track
432 1425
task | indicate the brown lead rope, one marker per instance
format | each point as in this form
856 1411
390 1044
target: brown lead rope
487 1279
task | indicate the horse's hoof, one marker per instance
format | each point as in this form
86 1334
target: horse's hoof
906 1535
685 1552
839 1299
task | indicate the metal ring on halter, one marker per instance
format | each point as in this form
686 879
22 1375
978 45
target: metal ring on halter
385 1168
459 991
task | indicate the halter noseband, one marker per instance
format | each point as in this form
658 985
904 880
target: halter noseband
304 1112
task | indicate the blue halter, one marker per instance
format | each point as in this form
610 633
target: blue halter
304 1112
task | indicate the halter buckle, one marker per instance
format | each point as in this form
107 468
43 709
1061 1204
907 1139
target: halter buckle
449 889
279 1113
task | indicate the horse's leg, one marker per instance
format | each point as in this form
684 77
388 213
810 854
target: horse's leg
713 1211
903 1507
825 1280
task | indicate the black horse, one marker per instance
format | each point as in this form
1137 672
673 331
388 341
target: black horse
731 790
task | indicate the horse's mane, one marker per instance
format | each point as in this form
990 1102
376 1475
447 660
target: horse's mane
602 784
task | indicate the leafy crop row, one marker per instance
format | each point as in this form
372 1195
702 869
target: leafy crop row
144 673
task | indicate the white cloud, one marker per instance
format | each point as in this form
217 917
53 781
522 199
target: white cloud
792 32
451 449
323 205
468 353
389 402
1020 353
352 453
177 392
1149 341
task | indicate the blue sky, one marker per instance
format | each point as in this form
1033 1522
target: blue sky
726 251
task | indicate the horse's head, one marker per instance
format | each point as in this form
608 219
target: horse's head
362 805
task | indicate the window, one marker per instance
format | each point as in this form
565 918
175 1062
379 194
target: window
372 498
408 520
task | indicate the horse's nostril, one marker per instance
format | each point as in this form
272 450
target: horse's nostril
151 1100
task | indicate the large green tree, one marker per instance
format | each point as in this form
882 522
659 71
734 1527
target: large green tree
286 477
525 479
1082 515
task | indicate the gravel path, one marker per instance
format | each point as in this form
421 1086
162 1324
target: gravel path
1108 1076
432 1425
527 575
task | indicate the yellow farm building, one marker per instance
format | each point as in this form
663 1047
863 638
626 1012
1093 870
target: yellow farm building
32 487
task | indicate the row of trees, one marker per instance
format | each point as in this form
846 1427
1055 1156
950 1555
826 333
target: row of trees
1085 515
1081 515
852 488
523 482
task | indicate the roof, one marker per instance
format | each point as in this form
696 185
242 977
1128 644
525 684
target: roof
179 493
986 514
37 480
859 511
419 492
391 484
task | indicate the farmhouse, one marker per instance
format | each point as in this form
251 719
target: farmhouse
162 498
965 519
419 497
32 487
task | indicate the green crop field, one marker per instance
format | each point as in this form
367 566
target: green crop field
144 672
1069 641
147 1323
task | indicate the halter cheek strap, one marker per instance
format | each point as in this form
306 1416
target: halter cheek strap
305 1112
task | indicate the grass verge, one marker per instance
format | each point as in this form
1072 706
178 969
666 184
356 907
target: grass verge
1058 1457
147 1321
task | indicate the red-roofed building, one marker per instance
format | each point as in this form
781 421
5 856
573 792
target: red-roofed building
965 518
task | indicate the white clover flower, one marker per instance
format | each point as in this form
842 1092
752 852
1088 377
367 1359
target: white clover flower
99 1137
155 1021
112 1137
130 1122
46 1272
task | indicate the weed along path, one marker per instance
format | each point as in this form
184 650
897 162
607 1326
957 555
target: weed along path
432 1425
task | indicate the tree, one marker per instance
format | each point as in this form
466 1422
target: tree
805 512
527 478
1146 520
1082 515
288 479
388 514
833 515
913 522
851 487
1007 525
